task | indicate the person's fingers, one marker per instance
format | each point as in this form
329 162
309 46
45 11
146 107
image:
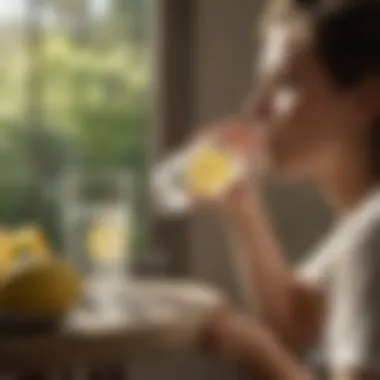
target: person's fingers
217 129
240 137
209 131
211 330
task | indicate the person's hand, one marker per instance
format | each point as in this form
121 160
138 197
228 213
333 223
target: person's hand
213 331
250 346
230 334
233 133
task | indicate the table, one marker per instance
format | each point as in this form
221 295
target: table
161 316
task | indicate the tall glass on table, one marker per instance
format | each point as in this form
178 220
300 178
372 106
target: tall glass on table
97 221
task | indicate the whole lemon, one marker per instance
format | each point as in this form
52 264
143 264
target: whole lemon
6 255
47 288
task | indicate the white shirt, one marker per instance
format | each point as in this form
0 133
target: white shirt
347 264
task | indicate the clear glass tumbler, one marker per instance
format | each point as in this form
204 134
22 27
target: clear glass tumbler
97 221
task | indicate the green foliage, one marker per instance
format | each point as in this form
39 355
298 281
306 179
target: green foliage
93 109
98 98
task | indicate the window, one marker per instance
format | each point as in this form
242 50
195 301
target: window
75 85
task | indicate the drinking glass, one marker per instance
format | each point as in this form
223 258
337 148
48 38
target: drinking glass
205 168
97 221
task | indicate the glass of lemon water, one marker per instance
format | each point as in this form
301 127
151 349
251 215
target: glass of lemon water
205 168
98 229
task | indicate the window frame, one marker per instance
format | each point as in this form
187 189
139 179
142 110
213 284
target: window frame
173 61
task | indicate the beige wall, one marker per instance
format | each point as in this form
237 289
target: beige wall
223 64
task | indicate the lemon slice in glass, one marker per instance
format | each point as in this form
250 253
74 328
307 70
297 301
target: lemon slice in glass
209 171
106 243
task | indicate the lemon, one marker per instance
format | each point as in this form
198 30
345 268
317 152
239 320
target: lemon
208 170
31 241
45 288
106 242
6 255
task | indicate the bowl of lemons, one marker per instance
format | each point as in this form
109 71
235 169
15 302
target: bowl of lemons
37 290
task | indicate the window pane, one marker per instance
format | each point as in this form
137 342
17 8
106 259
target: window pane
74 91
15 169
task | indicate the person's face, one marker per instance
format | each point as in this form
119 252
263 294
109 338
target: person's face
306 120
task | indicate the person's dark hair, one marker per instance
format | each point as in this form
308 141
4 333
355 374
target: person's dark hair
347 41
